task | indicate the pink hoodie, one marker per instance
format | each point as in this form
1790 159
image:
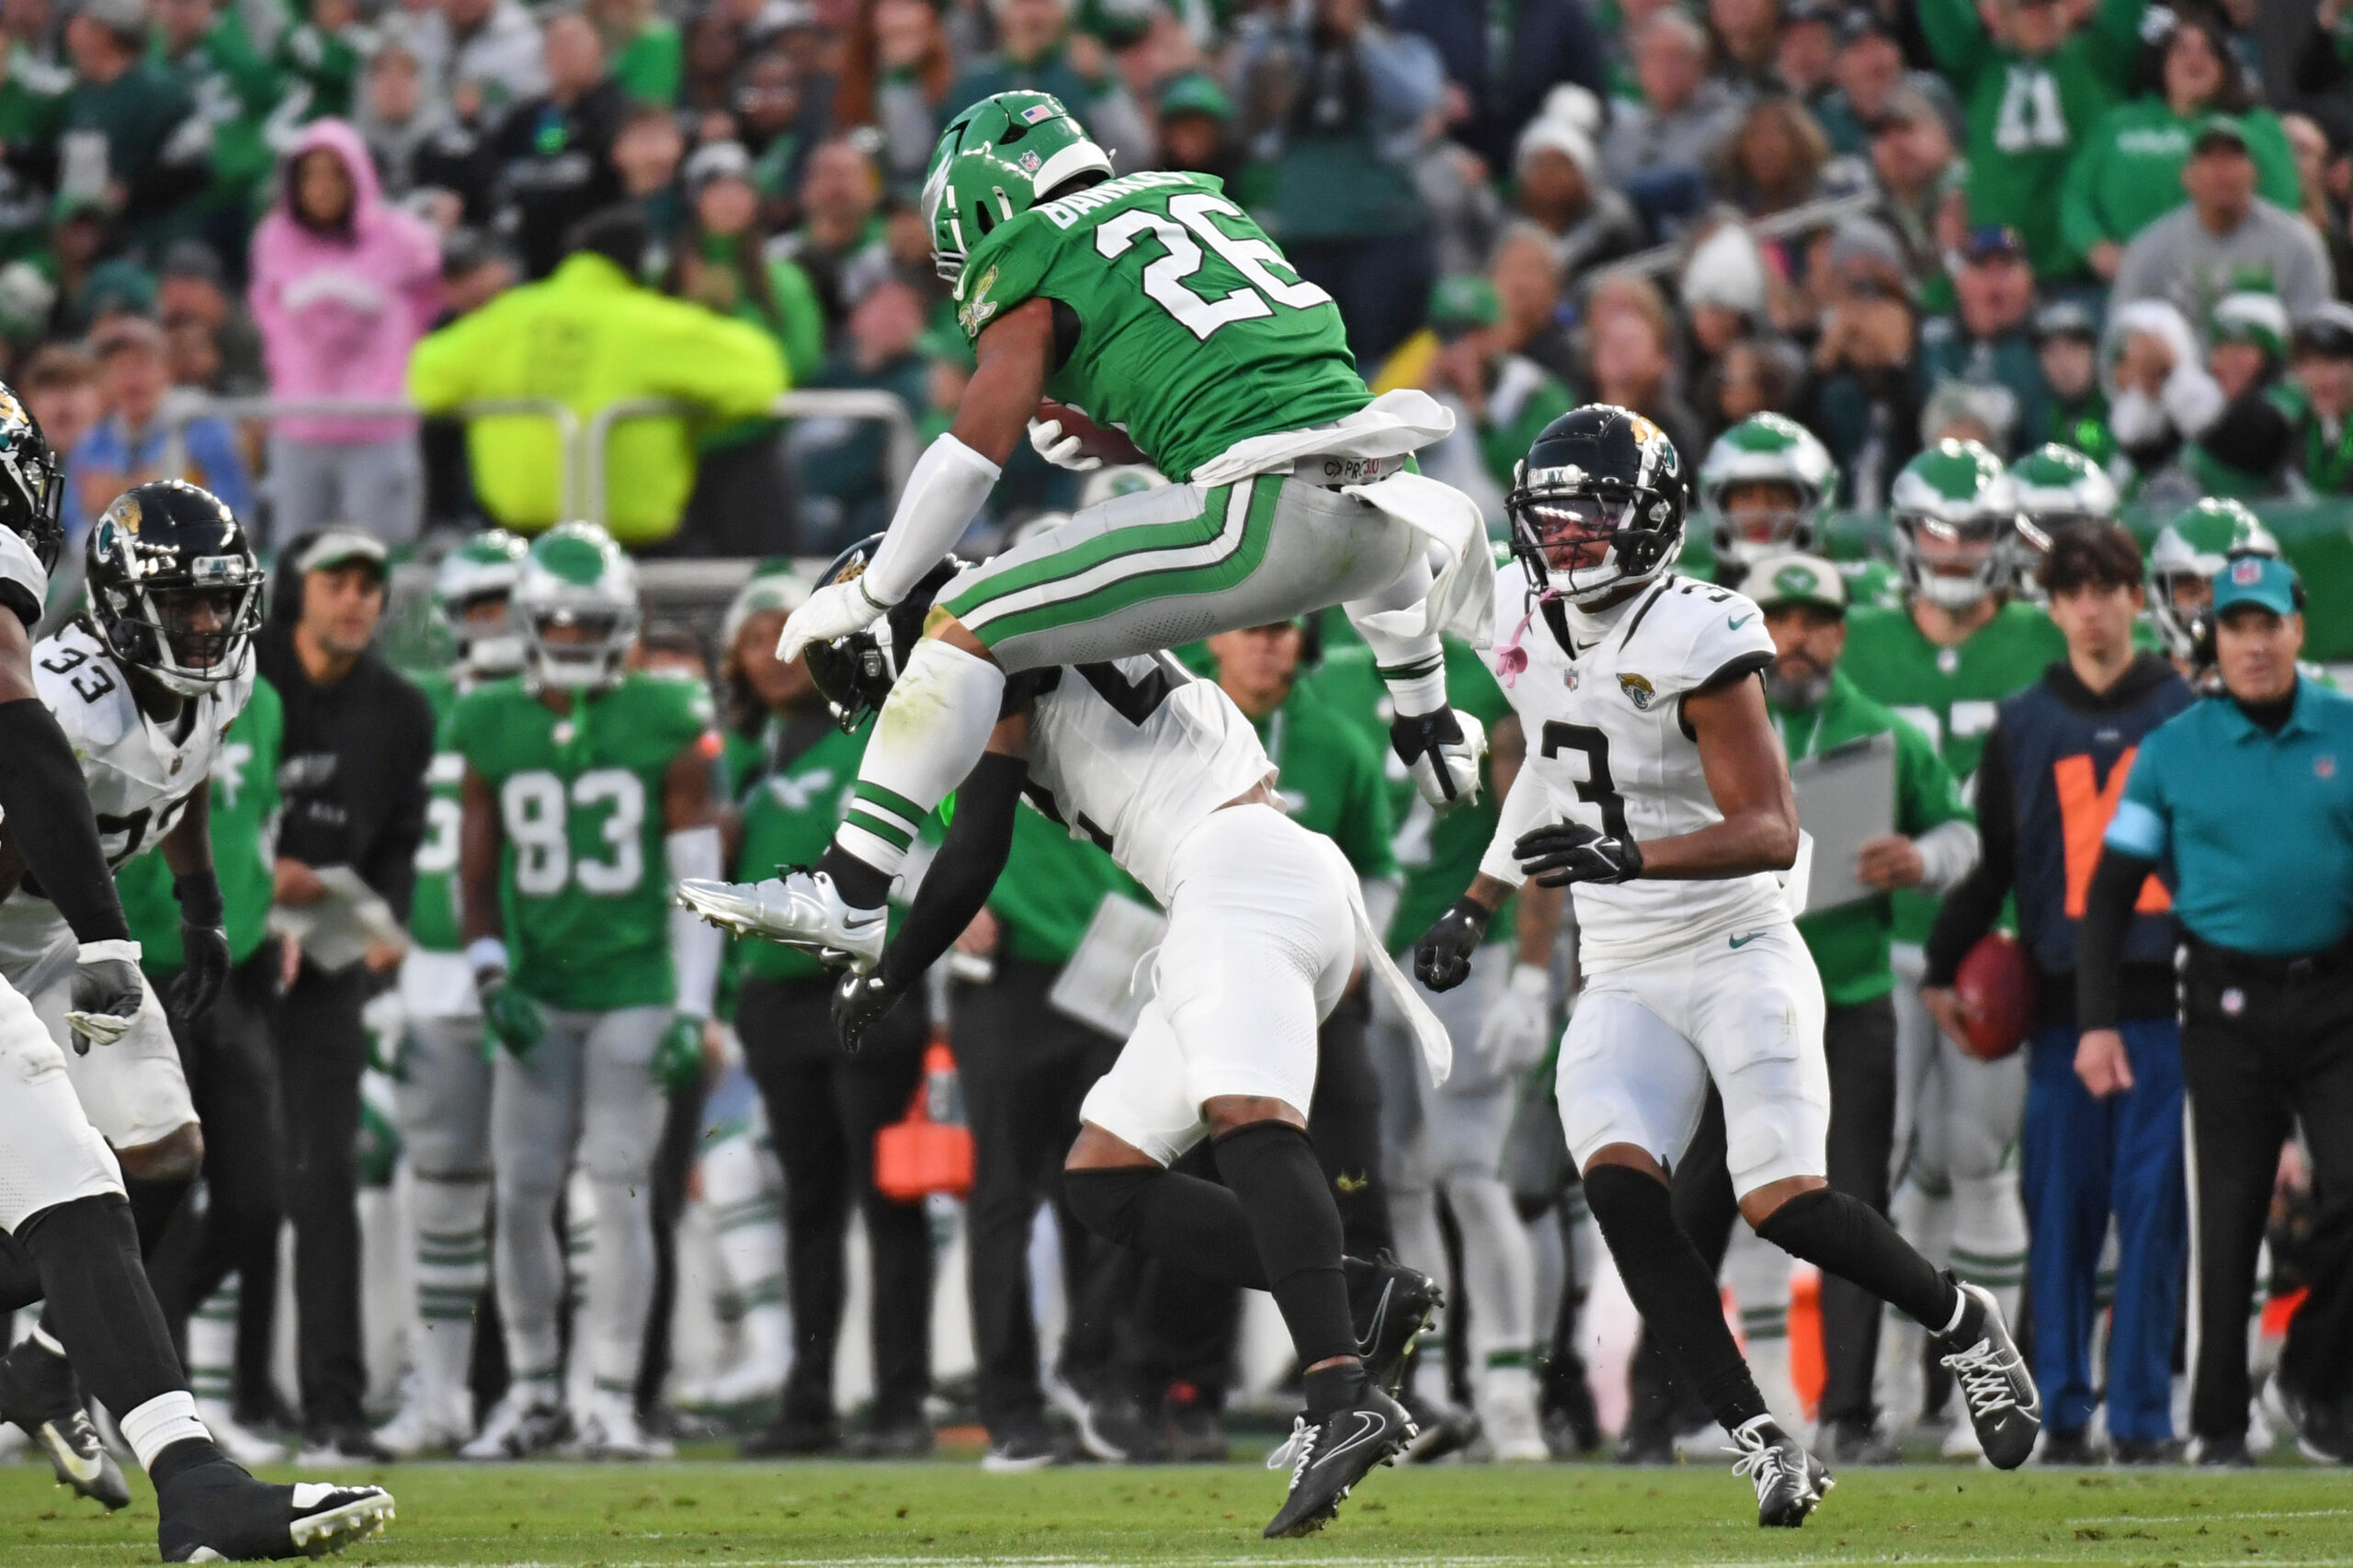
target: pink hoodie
339 312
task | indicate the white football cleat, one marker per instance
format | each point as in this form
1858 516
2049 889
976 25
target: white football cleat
611 1431
800 908
428 1423
528 1420
1513 1431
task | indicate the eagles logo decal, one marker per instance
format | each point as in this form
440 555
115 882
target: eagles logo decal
1639 691
976 311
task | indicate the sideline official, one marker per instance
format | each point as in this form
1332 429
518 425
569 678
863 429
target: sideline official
2251 794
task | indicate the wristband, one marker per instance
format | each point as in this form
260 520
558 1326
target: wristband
112 948
486 953
199 897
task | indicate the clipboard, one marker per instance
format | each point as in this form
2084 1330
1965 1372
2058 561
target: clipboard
335 932
1846 798
1106 984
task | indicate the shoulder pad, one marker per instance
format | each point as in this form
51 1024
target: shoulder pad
80 682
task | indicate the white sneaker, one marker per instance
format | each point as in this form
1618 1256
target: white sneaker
528 1420
611 1431
1960 1442
428 1423
1514 1433
799 909
247 1446
755 1380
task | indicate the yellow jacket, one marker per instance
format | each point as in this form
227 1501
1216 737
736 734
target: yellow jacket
590 336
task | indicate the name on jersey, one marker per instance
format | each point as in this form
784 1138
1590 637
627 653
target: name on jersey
1072 208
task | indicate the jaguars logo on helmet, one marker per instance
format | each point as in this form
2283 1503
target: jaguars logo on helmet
575 603
1955 509
32 481
854 674
1597 504
175 587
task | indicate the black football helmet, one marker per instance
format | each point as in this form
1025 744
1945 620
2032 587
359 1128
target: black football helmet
32 481
854 674
1599 477
174 588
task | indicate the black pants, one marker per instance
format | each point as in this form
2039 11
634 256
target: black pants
673 1160
231 1067
2260 1049
1024 1069
1860 1043
825 1107
321 1051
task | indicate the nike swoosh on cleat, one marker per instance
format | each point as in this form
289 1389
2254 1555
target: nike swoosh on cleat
1372 1425
1366 1343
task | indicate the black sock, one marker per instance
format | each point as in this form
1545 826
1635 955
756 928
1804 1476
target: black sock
1841 1235
153 1204
1271 1168
1672 1290
183 1457
862 887
1188 1221
100 1307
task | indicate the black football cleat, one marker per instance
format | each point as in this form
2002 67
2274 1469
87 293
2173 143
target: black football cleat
216 1513
1330 1456
1391 1305
1790 1481
1996 1387
39 1394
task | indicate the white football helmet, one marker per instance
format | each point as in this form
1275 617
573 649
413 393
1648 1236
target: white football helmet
483 568
575 603
1956 510
1767 449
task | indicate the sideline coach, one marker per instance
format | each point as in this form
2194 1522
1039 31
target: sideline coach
2251 793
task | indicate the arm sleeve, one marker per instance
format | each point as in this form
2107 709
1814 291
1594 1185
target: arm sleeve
695 946
1970 909
949 483
48 810
1526 807
2080 224
964 871
2099 941
1956 38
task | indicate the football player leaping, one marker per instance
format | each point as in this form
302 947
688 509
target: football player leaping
1265 925
1156 305
1655 788
145 686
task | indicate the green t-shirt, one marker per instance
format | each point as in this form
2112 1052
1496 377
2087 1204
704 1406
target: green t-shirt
244 805
652 65
583 878
433 910
1329 779
1438 855
1948 694
1850 943
1195 333
790 816
2127 174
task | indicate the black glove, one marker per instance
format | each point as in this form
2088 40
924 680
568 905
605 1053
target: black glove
1569 852
860 1002
203 941
1442 957
106 995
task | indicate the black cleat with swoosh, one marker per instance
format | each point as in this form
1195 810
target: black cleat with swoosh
1390 1304
1329 1457
39 1394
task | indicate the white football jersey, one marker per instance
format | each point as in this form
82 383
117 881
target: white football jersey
1134 754
19 565
142 773
1607 741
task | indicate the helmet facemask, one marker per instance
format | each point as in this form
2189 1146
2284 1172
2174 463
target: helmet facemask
1926 544
1579 538
186 625
577 646
488 649
1747 533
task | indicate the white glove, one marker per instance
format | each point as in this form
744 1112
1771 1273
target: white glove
835 610
1519 1025
1063 451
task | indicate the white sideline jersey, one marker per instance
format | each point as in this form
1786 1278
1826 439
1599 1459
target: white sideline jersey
1134 754
20 566
141 773
1607 745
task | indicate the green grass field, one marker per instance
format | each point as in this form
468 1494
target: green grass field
1482 1517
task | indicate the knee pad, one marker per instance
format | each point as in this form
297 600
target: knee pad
1104 1199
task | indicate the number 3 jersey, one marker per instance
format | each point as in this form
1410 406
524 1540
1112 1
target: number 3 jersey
1607 745
1136 754
583 880
141 771
1193 332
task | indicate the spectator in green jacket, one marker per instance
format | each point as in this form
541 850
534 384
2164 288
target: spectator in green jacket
236 90
2066 346
590 335
649 61
2127 174
2034 76
152 149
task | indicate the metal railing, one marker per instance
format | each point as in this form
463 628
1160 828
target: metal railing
180 414
879 407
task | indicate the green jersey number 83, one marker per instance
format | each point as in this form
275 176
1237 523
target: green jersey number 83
537 817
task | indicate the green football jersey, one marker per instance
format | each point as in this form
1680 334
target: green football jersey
1330 781
1948 694
1438 855
433 911
583 880
1194 332
244 800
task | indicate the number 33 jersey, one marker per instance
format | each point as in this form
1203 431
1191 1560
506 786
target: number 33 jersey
141 772
583 876
1607 745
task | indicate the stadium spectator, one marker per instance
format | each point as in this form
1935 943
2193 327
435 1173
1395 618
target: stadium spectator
359 738
1988 340
841 195
1627 363
1038 51
2047 785
650 154
416 142
1774 158
147 433
841 461
1196 130
1657 149
631 342
1859 396
344 285
1560 189
130 138
2243 795
2269 432
1913 160
553 153
2224 238
649 63
191 293
2066 346
1805 61
1506 59
895 75
479 56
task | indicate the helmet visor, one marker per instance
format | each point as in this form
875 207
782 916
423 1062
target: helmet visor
1573 531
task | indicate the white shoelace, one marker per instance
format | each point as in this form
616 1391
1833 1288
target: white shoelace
1298 1450
1759 1460
1984 1374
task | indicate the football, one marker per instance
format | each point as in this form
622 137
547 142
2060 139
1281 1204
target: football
1996 983
1106 441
